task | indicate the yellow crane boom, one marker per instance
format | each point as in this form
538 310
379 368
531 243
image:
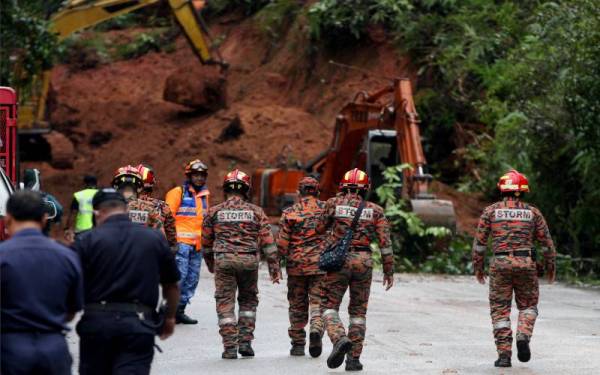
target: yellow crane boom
77 15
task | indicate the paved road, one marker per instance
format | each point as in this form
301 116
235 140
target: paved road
424 325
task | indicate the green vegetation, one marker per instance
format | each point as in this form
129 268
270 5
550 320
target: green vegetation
520 80
433 249
154 41
25 42
338 20
88 50
29 47
276 16
501 84
413 243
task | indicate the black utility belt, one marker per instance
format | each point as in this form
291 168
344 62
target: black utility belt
235 252
33 332
118 307
360 249
517 253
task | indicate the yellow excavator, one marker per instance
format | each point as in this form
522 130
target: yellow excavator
77 15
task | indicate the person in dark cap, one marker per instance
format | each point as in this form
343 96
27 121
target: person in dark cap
41 288
81 209
124 263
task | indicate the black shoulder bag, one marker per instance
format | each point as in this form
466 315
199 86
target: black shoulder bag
332 259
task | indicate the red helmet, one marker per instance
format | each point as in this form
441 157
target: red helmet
237 180
148 175
196 165
127 175
513 181
355 179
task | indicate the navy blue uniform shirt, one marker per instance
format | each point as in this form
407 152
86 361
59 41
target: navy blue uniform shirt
125 262
41 283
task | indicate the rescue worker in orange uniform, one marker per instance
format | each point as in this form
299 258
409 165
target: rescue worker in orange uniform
357 271
128 182
234 234
300 245
149 180
513 227
189 204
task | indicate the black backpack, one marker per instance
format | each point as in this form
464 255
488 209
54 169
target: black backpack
332 259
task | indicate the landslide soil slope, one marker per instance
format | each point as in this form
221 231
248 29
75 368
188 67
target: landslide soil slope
286 100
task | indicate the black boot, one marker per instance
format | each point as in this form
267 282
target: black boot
336 358
524 354
229 353
315 345
353 364
297 350
246 350
503 361
181 318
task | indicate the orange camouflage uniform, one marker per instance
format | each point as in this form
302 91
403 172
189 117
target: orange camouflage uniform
166 217
145 213
357 272
512 225
300 244
233 233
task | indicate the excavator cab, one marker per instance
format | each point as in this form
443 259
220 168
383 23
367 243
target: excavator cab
381 151
373 132
381 148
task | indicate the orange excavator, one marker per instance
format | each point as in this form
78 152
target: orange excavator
374 131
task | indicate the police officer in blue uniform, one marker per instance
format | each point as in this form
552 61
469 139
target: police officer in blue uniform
41 288
123 266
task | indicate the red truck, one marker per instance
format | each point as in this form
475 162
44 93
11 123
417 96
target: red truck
8 149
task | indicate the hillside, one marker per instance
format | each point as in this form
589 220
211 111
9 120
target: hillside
285 99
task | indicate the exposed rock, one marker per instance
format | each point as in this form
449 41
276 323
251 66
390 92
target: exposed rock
198 87
232 131
62 150
98 138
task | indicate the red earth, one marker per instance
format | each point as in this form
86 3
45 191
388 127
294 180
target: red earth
286 101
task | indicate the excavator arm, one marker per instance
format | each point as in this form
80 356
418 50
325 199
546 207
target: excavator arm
387 113
81 14
77 15
376 112
408 136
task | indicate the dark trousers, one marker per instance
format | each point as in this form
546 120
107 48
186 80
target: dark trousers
35 354
114 343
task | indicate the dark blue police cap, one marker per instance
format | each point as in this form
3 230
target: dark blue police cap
106 195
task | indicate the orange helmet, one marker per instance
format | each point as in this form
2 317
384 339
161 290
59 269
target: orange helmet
355 179
196 165
513 181
237 180
148 175
127 175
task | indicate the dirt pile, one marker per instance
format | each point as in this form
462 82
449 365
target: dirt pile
199 87
281 108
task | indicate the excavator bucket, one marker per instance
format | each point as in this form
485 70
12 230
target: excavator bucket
435 212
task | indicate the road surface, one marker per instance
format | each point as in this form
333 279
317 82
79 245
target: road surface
424 325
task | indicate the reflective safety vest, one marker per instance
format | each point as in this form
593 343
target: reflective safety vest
189 208
85 210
